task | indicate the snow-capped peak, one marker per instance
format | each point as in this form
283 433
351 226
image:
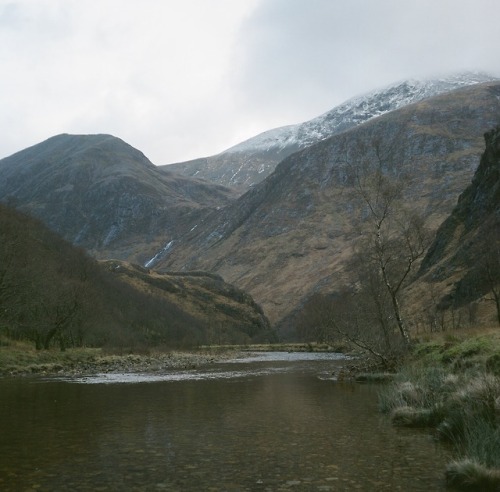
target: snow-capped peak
355 111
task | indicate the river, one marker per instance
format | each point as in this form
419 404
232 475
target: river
269 422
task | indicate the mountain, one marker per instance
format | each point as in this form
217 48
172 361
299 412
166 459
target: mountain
288 237
292 234
465 255
100 193
54 293
249 162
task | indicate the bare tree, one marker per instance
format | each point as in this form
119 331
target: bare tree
393 236
354 321
314 322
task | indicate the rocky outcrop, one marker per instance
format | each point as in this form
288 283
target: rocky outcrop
467 244
477 209
226 313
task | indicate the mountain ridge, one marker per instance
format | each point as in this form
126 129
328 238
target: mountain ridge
249 162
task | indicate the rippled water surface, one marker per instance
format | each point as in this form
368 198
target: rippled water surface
267 423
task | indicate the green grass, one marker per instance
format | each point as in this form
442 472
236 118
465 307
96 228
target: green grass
452 385
467 474
459 351
20 357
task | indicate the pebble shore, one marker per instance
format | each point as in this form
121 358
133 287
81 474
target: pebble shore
119 363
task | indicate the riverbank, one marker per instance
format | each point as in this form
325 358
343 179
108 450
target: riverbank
451 385
283 347
20 359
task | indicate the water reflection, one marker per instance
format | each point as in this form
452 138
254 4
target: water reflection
270 362
289 357
284 429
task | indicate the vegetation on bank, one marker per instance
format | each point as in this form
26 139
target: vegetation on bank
283 347
21 358
452 386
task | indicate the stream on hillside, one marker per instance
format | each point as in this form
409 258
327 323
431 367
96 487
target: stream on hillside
268 422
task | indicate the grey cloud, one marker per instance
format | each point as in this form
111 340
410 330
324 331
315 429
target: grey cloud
181 80
301 55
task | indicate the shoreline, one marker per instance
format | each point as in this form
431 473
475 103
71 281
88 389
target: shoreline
20 359
93 361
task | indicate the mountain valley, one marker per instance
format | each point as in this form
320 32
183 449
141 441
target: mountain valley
285 213
293 234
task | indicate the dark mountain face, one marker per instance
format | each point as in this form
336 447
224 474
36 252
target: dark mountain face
467 244
250 162
292 234
102 194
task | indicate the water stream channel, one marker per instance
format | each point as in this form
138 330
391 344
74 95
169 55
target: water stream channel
269 422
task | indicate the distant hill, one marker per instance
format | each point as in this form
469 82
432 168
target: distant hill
53 293
100 193
292 234
249 162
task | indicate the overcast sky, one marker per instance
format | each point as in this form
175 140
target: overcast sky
180 79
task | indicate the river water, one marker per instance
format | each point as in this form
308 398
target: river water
270 422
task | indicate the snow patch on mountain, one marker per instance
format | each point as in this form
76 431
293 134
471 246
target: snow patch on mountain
158 256
354 112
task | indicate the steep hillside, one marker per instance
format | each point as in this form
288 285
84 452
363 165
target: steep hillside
225 313
102 194
292 234
249 162
53 293
465 254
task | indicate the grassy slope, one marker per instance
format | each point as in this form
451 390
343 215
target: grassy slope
459 349
451 384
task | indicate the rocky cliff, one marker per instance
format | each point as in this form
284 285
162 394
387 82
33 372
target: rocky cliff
466 251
